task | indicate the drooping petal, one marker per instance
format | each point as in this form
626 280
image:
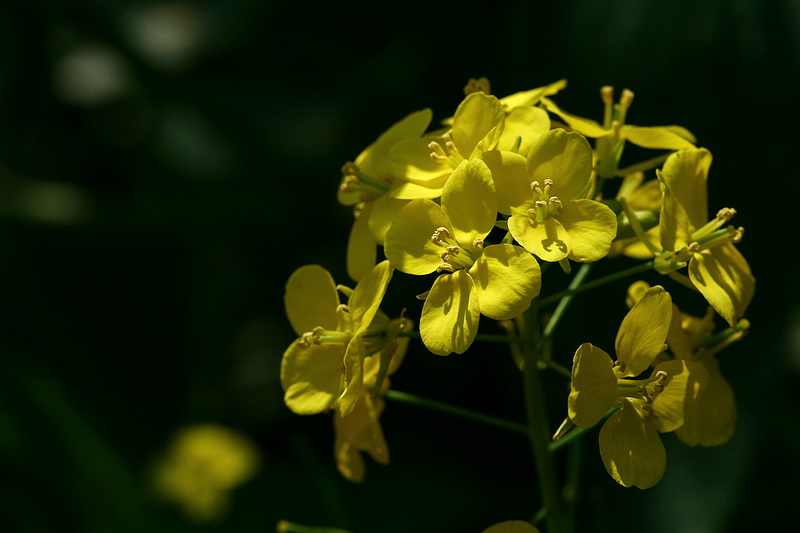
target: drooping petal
548 240
586 126
512 181
359 432
450 314
631 448
477 116
593 389
710 419
656 137
685 383
354 357
525 123
591 227
368 294
532 96
312 377
506 278
361 246
408 241
685 173
643 331
564 157
468 199
311 299
723 277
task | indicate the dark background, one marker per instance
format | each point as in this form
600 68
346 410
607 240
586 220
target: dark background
164 168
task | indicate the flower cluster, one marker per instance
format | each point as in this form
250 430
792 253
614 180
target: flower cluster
482 204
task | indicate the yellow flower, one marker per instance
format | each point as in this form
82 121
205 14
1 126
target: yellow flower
323 368
360 431
201 466
541 193
710 418
366 183
630 447
716 268
613 132
498 281
428 161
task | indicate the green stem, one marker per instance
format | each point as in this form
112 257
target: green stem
575 433
557 519
644 267
563 304
442 407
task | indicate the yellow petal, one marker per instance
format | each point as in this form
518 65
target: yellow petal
527 123
643 331
532 96
411 190
353 376
631 448
312 377
475 118
591 227
506 279
361 246
512 180
548 240
383 211
468 199
586 126
685 173
408 241
723 277
450 314
375 159
311 299
564 157
656 137
593 389
360 431
368 294
411 160
512 526
685 383
710 419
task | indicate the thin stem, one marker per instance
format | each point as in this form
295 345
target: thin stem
442 407
644 267
575 433
539 434
563 304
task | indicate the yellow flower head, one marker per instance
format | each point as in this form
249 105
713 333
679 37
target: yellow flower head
716 268
498 280
630 447
202 464
323 368
541 192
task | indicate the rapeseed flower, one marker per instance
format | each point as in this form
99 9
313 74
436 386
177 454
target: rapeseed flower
498 281
542 195
630 447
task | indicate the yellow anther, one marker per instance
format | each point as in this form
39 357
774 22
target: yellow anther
475 85
477 244
449 144
350 168
694 247
736 234
555 201
626 99
726 213
445 267
342 308
453 250
437 152
607 94
440 232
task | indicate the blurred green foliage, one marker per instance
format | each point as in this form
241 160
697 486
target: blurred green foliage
165 167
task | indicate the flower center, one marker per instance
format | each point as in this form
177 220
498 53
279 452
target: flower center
369 187
444 150
713 234
453 256
544 205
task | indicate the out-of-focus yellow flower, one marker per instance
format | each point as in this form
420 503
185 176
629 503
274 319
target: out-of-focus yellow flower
201 466
498 281
512 526
541 193
716 267
323 368
630 447
613 132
